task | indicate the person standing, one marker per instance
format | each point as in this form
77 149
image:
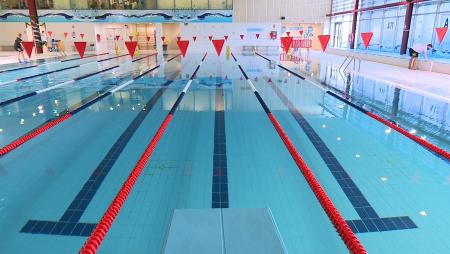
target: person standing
414 52
19 49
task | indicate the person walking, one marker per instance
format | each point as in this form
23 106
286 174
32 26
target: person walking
18 47
414 52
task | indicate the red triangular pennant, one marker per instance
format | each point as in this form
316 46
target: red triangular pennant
286 43
242 36
288 33
324 39
163 38
226 37
117 37
301 32
49 33
148 38
99 38
178 38
81 47
441 31
257 36
210 37
28 46
131 46
194 38
366 37
131 37
218 45
183 46
82 36
65 34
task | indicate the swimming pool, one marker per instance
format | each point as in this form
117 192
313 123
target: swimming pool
55 187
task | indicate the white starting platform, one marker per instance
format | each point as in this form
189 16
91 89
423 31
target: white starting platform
223 231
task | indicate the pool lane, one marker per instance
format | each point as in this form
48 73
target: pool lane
376 174
23 116
87 139
21 88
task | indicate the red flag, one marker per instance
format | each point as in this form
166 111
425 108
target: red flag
117 37
194 38
441 31
131 46
131 37
257 36
183 46
49 33
242 36
148 38
81 47
99 38
288 33
28 46
301 32
286 43
218 45
210 37
65 35
226 37
163 38
324 39
366 37
82 36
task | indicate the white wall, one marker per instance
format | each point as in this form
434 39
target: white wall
305 11
233 30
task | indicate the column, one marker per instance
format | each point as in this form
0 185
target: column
408 17
34 20
354 22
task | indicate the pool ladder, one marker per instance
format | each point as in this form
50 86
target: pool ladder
350 61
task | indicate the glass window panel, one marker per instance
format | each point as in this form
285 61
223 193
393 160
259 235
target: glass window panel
389 33
391 12
377 14
165 4
150 4
426 8
229 4
13 4
442 50
217 4
398 38
200 4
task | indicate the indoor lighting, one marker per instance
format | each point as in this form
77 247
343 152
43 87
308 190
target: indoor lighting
324 126
387 131
423 213
384 179
22 121
357 156
423 137
413 131
1 130
34 114
338 138
341 106
111 108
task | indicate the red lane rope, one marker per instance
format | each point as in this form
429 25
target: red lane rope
97 236
18 142
422 142
351 241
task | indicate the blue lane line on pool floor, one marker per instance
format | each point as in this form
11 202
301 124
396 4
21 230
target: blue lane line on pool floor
370 221
69 224
220 170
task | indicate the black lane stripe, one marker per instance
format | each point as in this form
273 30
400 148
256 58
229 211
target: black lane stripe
220 168
77 58
95 73
21 68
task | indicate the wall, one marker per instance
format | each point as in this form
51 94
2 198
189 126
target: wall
170 31
272 10
218 30
310 30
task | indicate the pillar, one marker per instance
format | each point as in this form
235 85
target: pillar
408 18
354 23
34 20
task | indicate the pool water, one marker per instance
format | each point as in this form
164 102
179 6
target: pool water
54 188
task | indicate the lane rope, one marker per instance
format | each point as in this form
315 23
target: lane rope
98 234
349 238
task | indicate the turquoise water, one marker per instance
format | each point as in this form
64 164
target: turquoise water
39 180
